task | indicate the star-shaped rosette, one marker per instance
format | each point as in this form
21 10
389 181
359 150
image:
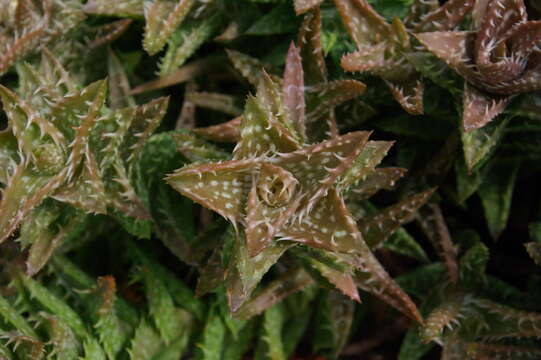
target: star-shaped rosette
279 193
498 60
382 47
63 143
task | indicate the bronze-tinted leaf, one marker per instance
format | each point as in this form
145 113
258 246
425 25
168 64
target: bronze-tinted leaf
364 24
433 224
409 95
225 132
220 102
480 108
445 17
319 166
329 226
222 187
293 91
311 51
24 190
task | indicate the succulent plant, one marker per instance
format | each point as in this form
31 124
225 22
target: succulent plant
265 211
277 192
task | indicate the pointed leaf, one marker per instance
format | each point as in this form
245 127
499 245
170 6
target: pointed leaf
433 224
250 67
119 85
198 150
274 293
270 344
220 102
261 132
311 51
211 343
146 342
248 271
409 95
328 226
323 96
318 167
478 144
383 178
186 40
222 187
496 193
225 132
293 91
377 229
24 190
480 108
363 23
162 17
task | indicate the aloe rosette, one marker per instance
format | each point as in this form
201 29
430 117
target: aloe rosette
279 192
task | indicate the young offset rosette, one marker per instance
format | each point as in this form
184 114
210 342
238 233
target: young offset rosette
498 60
382 47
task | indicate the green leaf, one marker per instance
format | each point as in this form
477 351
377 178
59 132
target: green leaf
66 346
239 345
473 264
162 17
112 332
496 193
170 320
56 306
180 293
420 281
300 309
12 316
334 320
171 213
139 228
175 350
270 345
378 228
211 343
534 249
146 342
186 40
412 348
403 243
93 350
479 143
